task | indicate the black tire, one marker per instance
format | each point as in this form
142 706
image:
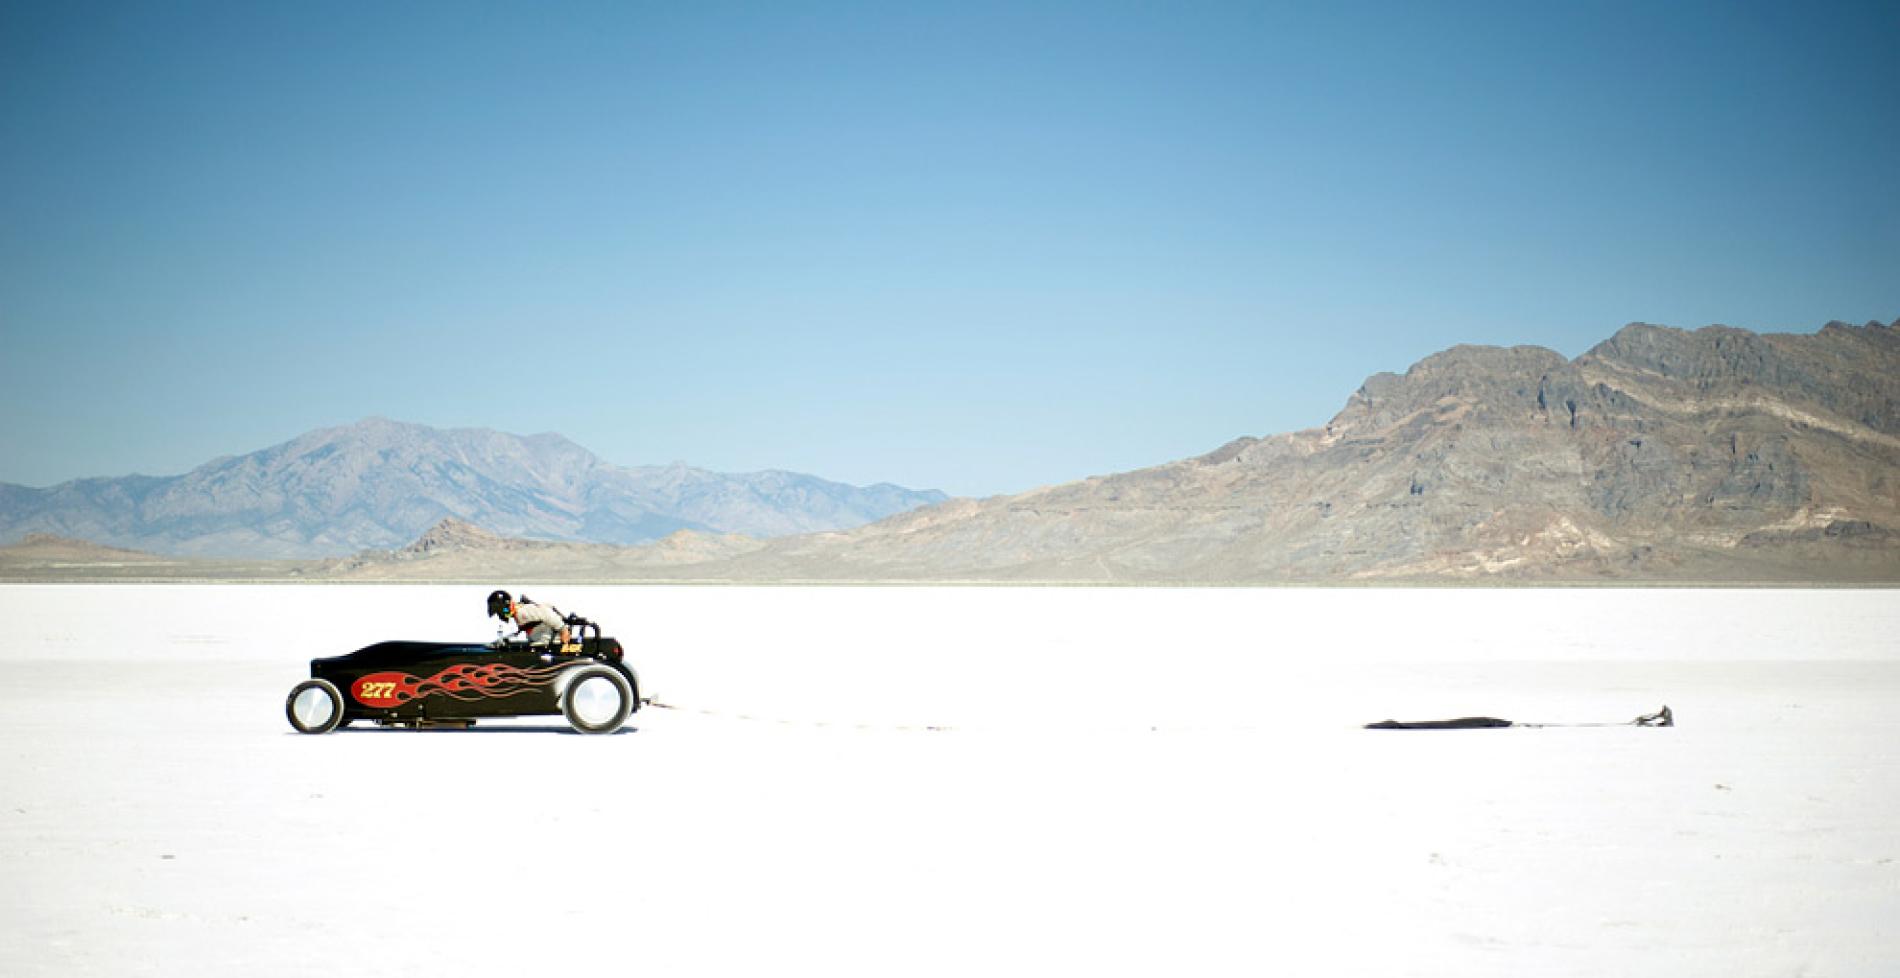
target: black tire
597 700
314 707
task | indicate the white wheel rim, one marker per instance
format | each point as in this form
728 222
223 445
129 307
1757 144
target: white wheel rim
595 700
313 707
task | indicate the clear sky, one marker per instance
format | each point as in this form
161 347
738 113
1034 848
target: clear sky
974 247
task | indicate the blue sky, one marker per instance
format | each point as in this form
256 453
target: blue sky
973 247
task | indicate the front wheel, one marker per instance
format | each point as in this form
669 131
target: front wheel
314 706
597 700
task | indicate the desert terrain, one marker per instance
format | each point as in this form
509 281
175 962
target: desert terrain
923 781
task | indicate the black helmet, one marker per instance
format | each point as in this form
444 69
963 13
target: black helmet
500 604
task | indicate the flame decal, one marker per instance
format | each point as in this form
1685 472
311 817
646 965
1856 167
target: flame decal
466 682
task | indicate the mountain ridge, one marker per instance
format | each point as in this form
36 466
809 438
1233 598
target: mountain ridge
378 483
1659 455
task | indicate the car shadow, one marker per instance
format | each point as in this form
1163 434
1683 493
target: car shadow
478 729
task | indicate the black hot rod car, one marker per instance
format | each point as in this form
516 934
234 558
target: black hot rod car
446 684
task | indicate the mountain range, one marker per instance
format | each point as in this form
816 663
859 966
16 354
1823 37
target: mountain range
380 483
1660 455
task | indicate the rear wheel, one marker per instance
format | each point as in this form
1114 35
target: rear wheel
314 706
597 700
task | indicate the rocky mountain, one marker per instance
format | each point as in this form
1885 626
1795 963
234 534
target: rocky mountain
380 483
1660 454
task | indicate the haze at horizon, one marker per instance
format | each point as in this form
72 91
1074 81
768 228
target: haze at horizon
974 248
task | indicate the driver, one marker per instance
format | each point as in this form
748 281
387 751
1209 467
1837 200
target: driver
538 620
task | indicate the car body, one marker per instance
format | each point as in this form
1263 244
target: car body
449 684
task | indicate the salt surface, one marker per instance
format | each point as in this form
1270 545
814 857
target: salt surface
1118 782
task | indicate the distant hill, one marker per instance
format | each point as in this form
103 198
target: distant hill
1660 454
454 550
51 549
381 483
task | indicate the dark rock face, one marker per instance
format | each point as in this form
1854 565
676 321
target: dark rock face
380 483
1661 454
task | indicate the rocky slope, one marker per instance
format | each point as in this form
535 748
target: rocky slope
1660 454
380 483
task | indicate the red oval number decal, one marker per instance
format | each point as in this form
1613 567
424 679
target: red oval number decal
382 689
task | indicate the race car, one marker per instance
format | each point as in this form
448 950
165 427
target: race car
447 684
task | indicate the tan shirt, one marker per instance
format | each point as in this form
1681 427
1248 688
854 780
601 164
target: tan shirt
527 616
